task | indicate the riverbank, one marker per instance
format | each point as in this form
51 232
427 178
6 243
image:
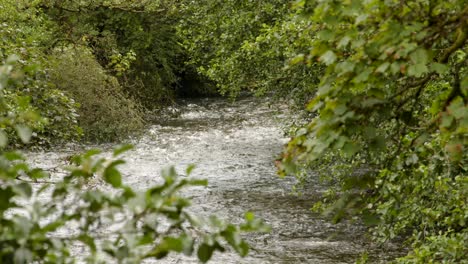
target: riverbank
234 145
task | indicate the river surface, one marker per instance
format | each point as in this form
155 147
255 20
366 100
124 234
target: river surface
234 145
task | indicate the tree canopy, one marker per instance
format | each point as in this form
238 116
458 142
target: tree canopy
385 88
391 118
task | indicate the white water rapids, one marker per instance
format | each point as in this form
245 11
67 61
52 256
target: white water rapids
234 146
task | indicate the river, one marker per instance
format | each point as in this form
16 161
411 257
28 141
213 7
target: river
234 145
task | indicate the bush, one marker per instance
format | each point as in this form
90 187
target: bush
32 87
112 222
391 119
103 105
135 42
436 249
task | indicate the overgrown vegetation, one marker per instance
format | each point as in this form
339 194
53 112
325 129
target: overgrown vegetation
28 42
392 106
134 42
246 45
386 87
79 74
126 53
42 218
384 84
62 81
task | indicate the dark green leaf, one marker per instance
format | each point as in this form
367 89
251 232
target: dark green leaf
113 177
205 252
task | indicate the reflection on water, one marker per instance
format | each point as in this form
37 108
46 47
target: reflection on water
233 146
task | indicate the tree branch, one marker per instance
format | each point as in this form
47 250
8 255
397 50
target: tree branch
462 36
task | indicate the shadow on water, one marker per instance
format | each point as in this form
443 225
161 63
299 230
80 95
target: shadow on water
234 146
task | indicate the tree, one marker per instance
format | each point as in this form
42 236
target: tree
392 118
244 46
112 222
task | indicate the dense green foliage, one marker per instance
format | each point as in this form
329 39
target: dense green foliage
384 83
28 41
78 73
92 67
135 42
127 52
245 45
43 218
392 119
387 86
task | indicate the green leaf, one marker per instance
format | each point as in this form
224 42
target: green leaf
370 132
3 139
23 255
24 132
340 109
128 193
89 241
249 216
344 42
121 149
439 68
323 89
296 60
361 18
91 152
205 252
346 67
231 235
198 182
189 169
182 244
350 148
377 143
53 226
419 56
5 196
447 120
464 85
383 67
37 173
417 70
12 156
363 76
370 219
328 57
23 189
371 102
458 109
113 176
122 252
326 35
243 248
330 19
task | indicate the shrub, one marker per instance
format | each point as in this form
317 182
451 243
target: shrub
390 119
105 113
113 222
29 33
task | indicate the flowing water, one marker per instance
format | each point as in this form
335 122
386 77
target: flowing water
234 146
